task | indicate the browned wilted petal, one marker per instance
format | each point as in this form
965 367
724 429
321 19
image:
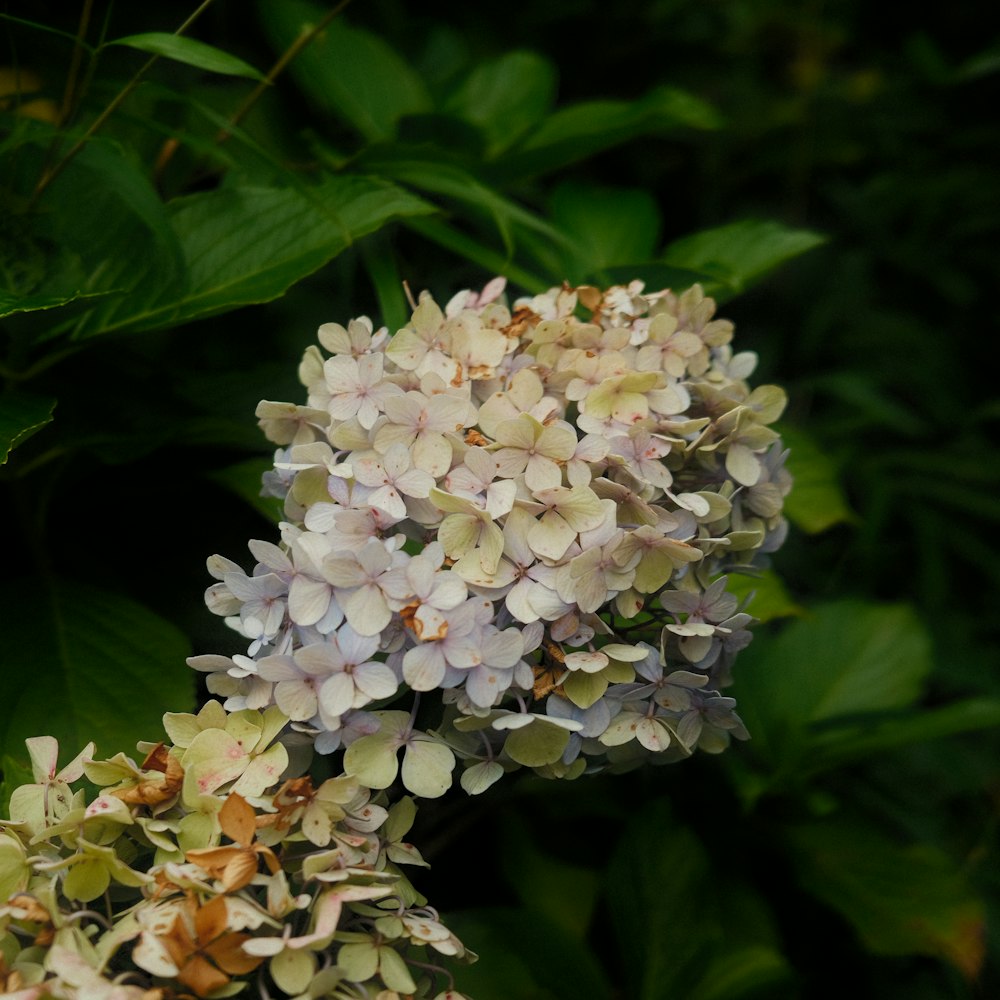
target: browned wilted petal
151 792
238 820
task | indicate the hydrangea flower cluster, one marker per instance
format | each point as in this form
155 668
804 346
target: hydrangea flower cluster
204 869
528 511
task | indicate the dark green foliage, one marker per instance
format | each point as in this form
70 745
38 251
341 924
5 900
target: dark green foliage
850 848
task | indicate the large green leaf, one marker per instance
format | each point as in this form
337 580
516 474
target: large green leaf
902 900
841 661
606 226
85 664
189 51
505 96
768 596
580 130
348 72
437 176
863 738
104 231
817 501
740 254
244 245
11 303
566 893
21 415
679 936
524 954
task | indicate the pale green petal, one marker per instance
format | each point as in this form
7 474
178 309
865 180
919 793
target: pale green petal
536 745
359 961
742 464
293 970
394 971
372 760
427 768
584 689
481 776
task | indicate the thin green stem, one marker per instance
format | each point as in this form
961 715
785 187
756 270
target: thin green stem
76 60
50 175
305 37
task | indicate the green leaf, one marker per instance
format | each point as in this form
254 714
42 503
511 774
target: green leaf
606 226
246 245
770 598
21 415
89 665
111 229
862 739
189 51
678 935
486 257
524 954
349 72
908 900
844 659
817 501
439 177
577 132
505 96
11 303
740 254
565 893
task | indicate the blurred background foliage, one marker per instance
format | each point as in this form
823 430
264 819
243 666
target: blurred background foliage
144 260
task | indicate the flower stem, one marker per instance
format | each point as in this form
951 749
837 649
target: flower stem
50 175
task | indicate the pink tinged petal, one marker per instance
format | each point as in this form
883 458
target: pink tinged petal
319 658
344 572
376 680
550 536
500 498
653 735
449 591
542 473
415 483
432 453
370 368
337 694
503 649
483 685
464 652
511 462
366 610
470 569
447 413
423 667
396 461
354 646
369 471
308 600
481 464
278 668
588 662
388 499
518 602
296 699
490 548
